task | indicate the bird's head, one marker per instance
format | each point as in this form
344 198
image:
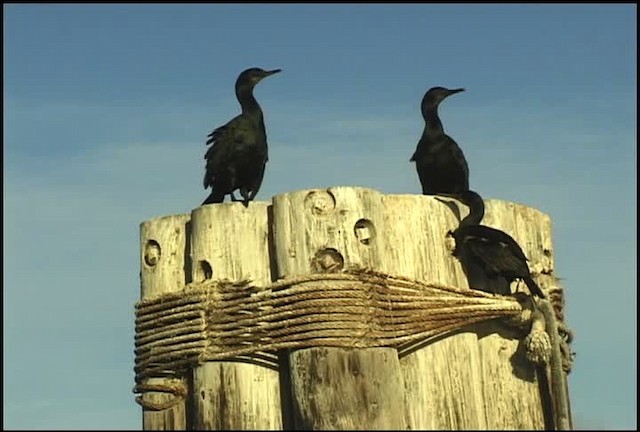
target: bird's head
435 95
253 76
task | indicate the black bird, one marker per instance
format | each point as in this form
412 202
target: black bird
441 165
493 250
238 152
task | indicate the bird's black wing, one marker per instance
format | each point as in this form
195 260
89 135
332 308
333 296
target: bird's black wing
425 146
441 165
496 250
226 142
418 153
459 161
502 237
257 180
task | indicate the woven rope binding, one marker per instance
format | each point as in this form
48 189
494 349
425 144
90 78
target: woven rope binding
357 308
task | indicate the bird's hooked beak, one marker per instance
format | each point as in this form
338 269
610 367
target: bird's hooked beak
265 74
271 72
255 79
454 91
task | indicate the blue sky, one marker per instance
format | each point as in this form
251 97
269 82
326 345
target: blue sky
106 109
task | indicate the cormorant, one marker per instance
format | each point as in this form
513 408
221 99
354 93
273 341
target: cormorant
238 154
441 165
493 250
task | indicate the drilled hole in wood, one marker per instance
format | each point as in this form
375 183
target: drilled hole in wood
365 231
327 260
320 203
152 253
203 271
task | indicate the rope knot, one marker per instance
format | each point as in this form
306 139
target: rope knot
538 347
176 388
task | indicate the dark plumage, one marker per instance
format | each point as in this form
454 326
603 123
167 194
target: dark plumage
441 165
494 251
238 152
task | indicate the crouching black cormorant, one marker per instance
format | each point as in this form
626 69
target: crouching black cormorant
238 152
494 251
441 165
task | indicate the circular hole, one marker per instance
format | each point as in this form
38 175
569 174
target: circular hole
320 203
203 271
327 260
364 231
152 253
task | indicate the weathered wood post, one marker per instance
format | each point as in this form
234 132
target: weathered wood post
442 389
311 343
163 267
473 379
230 242
324 231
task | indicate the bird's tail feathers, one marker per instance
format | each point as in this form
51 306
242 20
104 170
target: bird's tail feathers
533 287
213 198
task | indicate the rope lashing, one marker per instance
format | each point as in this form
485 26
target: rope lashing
356 308
565 335
177 389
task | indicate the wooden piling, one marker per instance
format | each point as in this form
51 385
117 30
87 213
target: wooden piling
230 242
442 379
324 231
476 377
164 265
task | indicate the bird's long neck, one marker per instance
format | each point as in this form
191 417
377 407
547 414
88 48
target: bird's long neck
432 120
476 208
248 102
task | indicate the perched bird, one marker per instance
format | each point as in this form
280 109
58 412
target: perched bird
492 250
238 152
441 165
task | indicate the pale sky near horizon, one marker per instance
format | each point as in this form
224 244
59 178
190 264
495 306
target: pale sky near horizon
107 106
